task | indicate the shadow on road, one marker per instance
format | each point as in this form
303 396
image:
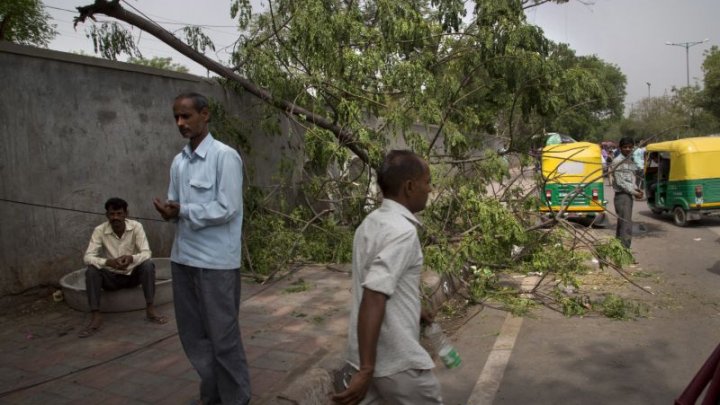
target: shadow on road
600 373
648 230
667 218
715 269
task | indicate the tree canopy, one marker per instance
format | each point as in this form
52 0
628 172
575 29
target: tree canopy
334 64
685 112
25 22
711 69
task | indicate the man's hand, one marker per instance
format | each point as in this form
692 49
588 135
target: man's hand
370 317
124 261
114 263
638 194
119 263
357 389
167 209
427 316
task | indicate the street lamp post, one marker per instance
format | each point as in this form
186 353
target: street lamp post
648 84
687 46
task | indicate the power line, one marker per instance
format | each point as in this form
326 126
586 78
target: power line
61 9
166 52
70 209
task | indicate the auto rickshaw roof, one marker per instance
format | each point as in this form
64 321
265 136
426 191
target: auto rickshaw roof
582 148
687 145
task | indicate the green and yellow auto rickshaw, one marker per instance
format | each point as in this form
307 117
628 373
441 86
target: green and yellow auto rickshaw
683 177
572 180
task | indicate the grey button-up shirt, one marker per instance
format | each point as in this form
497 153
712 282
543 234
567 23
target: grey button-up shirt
624 174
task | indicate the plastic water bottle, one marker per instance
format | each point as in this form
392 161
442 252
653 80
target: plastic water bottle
442 346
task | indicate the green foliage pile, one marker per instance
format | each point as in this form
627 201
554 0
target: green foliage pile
616 307
275 241
613 252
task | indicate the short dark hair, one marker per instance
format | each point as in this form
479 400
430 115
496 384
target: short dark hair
116 204
199 101
626 141
398 167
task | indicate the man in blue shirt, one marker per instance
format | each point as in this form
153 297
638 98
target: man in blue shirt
638 157
205 200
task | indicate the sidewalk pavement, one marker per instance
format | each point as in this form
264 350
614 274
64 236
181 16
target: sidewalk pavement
287 327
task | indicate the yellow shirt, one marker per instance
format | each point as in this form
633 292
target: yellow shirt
105 244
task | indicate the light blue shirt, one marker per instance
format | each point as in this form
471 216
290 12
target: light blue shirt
639 157
207 183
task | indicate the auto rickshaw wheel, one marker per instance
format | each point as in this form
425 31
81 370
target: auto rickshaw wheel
679 216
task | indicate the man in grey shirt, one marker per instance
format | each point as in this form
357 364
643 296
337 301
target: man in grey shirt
624 171
384 330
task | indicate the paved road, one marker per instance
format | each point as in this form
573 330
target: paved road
595 360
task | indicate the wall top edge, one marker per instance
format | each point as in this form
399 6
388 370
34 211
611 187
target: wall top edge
9 47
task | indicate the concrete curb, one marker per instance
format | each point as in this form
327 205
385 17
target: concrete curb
315 386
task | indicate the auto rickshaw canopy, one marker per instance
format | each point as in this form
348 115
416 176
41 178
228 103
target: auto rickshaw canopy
691 158
576 162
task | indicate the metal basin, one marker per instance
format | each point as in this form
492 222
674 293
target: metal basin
126 299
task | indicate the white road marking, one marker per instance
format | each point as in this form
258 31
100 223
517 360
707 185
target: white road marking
491 376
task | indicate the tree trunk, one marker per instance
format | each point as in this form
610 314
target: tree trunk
3 27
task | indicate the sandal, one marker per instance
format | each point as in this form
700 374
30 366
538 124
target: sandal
157 319
88 331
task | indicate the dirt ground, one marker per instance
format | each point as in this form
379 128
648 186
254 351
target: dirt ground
33 301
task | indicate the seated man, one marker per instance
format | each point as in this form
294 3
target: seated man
118 256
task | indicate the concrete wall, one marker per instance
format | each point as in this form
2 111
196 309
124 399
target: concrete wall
77 130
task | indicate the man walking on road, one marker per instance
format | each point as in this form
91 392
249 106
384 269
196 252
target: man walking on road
624 171
384 332
205 200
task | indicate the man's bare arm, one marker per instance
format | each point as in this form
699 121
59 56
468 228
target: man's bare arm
370 318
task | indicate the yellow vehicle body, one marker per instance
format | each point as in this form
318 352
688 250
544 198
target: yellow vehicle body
572 177
683 177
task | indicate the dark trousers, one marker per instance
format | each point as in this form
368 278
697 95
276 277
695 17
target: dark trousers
623 209
97 280
207 305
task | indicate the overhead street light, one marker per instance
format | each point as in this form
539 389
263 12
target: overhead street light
687 46
648 84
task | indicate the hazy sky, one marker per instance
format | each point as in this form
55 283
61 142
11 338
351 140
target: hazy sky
632 35
628 33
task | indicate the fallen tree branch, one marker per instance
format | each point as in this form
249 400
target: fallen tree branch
112 8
